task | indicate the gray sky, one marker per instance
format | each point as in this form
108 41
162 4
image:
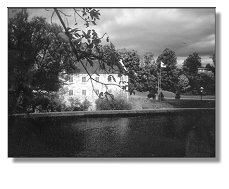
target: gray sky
152 30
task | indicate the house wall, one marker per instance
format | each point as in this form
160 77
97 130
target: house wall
78 87
203 70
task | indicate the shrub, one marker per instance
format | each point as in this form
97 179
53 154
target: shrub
119 103
48 103
152 95
76 105
177 96
85 105
161 96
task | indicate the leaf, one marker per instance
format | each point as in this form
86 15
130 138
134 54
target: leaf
100 95
88 34
68 28
96 41
63 37
75 30
113 78
96 73
90 62
102 66
90 45
85 35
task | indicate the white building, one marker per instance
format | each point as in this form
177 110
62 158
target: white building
80 86
203 70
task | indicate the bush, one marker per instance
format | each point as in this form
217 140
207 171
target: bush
76 105
51 103
152 95
118 103
85 105
177 96
161 96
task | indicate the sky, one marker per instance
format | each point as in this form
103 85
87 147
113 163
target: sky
153 29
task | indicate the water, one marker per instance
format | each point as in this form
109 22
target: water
168 135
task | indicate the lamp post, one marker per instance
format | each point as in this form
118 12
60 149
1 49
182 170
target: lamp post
201 92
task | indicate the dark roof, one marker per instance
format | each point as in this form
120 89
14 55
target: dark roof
96 68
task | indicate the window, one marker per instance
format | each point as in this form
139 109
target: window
83 92
70 92
83 79
97 78
71 78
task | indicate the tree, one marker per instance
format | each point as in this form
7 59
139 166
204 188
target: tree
210 68
36 59
213 58
131 60
149 73
86 45
183 83
190 68
207 81
169 74
39 52
192 63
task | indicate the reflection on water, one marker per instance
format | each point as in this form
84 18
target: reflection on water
191 135
197 145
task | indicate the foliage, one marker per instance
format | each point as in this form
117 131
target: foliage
110 57
131 60
149 73
169 74
119 103
183 83
40 52
36 59
47 103
190 69
76 105
207 81
197 80
192 63
151 95
85 105
213 58
177 96
85 43
161 96
210 68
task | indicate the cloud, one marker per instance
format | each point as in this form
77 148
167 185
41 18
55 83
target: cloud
183 30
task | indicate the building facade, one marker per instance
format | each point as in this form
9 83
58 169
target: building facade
80 86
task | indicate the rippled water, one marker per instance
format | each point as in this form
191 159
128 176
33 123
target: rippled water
191 135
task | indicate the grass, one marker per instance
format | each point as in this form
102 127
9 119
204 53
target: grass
140 101
167 94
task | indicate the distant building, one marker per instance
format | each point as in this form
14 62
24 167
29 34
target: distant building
203 70
80 85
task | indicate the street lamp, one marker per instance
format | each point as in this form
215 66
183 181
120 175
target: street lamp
201 92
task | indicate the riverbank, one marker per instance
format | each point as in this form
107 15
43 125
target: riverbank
145 103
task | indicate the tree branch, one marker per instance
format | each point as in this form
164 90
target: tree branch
79 57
